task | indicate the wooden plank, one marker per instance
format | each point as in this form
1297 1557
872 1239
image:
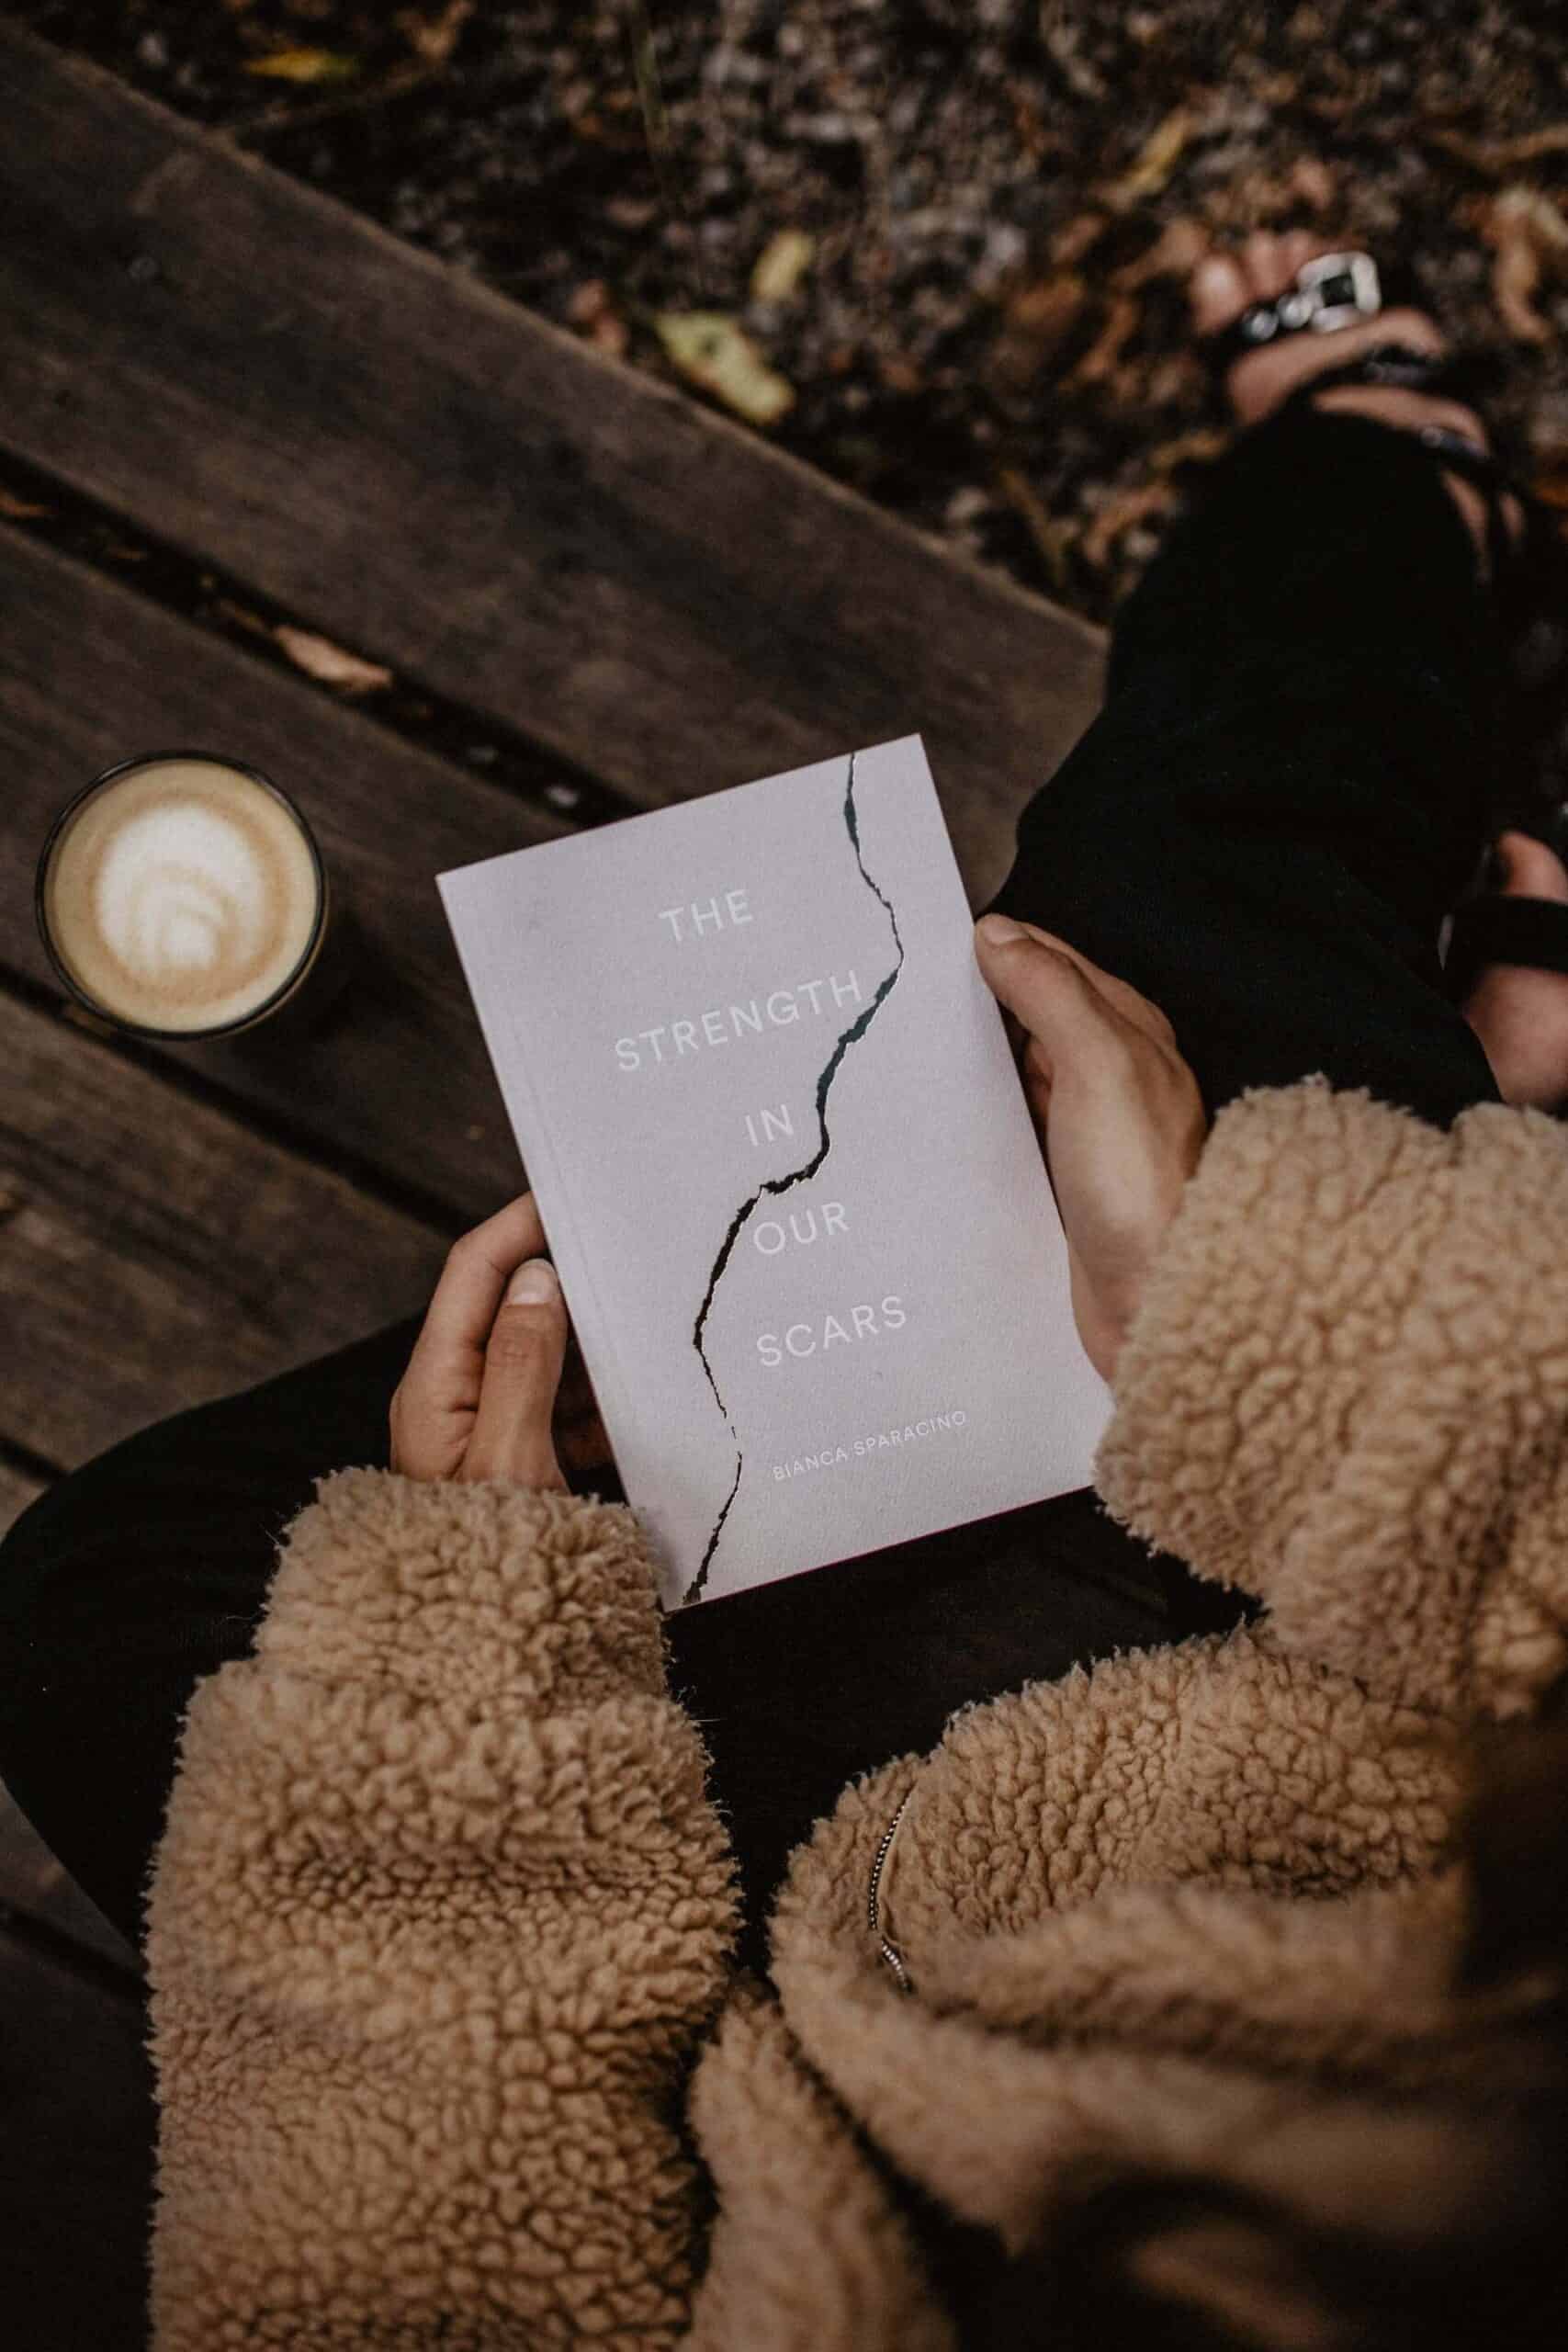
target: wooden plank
398 1076
159 1254
78 2125
16 1492
454 486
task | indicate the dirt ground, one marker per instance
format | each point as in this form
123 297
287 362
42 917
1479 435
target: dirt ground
938 248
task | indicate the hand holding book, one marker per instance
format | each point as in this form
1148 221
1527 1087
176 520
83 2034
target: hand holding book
1120 1123
1117 1109
786 1170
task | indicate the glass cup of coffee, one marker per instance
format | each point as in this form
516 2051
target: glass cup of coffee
182 895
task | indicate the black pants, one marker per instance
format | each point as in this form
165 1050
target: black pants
1261 832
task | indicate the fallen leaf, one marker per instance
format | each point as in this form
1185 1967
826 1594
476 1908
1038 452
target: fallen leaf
1549 476
81 1018
1494 156
305 65
715 353
1036 317
1205 442
781 264
1099 360
1049 536
1073 240
330 662
241 614
593 309
1529 237
434 40
1120 513
20 509
1312 182
1176 253
1177 377
1155 160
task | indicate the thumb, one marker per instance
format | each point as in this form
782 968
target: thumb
512 1433
1043 986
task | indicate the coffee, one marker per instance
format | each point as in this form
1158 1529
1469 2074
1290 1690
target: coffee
182 895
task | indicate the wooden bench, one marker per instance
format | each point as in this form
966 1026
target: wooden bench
626 586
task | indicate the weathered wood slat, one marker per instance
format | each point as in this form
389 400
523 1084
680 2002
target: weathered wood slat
77 2133
399 1074
16 1493
161 1254
454 486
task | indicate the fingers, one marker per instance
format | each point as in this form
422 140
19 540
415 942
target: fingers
433 1405
449 1351
1006 952
512 1435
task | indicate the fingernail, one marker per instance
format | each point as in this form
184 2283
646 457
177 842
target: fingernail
533 1283
1211 276
999 929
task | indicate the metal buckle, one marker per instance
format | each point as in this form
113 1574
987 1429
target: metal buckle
1310 304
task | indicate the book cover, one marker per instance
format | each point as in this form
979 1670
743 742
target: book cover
785 1166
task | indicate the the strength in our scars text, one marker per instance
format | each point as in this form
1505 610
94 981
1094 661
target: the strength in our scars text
799 1226
670 1040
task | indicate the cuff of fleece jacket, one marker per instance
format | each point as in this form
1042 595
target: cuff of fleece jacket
1303 1236
485 1591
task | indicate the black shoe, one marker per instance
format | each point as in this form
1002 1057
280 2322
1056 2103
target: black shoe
1527 583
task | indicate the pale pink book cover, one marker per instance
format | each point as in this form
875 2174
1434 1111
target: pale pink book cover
786 1170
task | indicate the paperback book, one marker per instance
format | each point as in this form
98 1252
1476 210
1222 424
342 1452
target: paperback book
786 1170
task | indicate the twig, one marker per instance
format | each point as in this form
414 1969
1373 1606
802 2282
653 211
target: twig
656 127
407 77
1046 534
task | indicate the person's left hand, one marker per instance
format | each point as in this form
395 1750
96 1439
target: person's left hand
479 1396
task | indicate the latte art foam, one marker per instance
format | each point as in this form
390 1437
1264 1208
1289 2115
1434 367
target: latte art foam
182 895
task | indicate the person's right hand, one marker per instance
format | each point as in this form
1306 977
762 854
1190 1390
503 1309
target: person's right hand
1118 1110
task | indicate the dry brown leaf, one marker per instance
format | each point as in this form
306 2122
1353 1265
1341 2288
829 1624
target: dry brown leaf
1494 156
1036 316
1099 360
242 615
1314 183
1049 536
305 65
1529 237
718 354
593 309
781 265
20 509
1120 513
329 662
1549 476
434 39
1153 164
80 1017
1073 240
1175 253
1179 377
1205 442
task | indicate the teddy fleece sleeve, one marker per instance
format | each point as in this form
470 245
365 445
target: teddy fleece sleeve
1345 1389
439 1911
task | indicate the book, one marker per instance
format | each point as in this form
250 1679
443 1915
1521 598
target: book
785 1166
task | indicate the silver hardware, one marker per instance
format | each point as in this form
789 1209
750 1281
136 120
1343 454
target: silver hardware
888 1951
1304 306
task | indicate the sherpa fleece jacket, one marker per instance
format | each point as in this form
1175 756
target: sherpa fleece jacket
440 1919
